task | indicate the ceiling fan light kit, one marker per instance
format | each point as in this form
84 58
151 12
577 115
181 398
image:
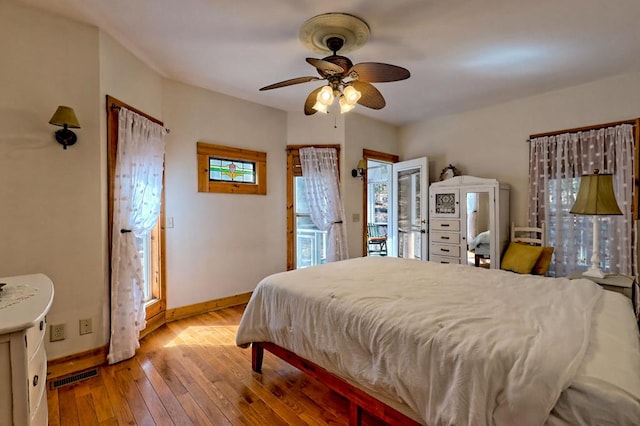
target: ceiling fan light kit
330 33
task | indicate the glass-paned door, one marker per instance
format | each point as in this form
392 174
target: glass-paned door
409 238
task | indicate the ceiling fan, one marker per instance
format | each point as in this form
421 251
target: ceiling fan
333 32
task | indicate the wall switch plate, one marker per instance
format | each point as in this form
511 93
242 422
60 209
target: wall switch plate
57 332
169 222
86 326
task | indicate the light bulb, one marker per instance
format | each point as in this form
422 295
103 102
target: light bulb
352 95
325 95
344 105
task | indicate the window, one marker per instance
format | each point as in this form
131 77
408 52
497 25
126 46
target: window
306 244
152 255
557 162
231 170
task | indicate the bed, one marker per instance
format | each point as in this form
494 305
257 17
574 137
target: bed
448 344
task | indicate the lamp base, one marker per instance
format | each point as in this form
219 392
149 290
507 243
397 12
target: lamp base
594 272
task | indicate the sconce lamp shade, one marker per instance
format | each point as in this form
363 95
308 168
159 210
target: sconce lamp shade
65 115
66 118
360 168
596 196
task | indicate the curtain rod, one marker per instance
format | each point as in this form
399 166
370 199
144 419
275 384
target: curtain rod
114 106
632 121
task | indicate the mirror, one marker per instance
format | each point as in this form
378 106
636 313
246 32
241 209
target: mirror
478 229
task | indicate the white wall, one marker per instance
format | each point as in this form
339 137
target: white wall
221 244
51 199
491 142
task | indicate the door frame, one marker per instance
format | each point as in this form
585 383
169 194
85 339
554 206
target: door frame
369 154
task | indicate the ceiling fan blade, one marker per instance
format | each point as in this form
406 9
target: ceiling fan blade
377 72
370 96
326 66
290 82
311 101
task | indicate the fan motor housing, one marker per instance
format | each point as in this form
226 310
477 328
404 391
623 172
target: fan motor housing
341 61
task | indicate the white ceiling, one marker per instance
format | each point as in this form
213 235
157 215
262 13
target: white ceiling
462 54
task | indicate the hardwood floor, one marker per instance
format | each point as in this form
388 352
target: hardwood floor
190 372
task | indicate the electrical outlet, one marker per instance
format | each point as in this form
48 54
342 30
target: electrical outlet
57 332
86 326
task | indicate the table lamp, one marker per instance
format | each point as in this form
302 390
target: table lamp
596 198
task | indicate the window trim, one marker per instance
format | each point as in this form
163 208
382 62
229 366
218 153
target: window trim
206 150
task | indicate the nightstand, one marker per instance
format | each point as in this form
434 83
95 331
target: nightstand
614 282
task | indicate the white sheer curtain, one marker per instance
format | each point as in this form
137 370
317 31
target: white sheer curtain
320 171
556 164
136 207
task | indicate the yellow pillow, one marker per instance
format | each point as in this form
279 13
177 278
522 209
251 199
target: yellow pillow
542 264
520 257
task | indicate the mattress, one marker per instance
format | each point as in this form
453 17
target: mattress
606 389
439 340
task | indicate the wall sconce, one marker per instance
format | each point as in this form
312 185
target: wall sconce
360 168
66 118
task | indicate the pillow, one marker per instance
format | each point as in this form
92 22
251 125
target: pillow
542 264
520 257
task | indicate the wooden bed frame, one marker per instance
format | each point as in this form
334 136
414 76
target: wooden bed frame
358 399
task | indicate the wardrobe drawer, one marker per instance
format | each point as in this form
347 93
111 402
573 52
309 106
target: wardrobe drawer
445 225
445 237
444 259
35 336
445 250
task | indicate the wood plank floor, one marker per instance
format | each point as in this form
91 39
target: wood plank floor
190 372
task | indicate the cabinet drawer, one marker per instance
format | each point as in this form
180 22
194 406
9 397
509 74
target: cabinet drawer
444 259
35 336
445 237
37 379
445 250
445 225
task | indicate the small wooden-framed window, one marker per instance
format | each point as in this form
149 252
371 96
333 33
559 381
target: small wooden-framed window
231 170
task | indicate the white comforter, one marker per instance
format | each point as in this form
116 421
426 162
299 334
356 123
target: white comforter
456 344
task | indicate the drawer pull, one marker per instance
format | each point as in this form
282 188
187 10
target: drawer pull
445 250
444 225
35 380
41 325
444 238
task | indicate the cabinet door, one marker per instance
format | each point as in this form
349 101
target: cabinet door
478 227
444 203
409 209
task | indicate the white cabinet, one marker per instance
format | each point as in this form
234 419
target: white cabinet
24 302
468 221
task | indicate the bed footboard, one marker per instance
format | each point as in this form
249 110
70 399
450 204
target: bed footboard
358 399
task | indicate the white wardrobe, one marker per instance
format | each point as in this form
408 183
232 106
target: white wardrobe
468 221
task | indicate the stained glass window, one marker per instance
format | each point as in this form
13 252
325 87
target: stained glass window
221 170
